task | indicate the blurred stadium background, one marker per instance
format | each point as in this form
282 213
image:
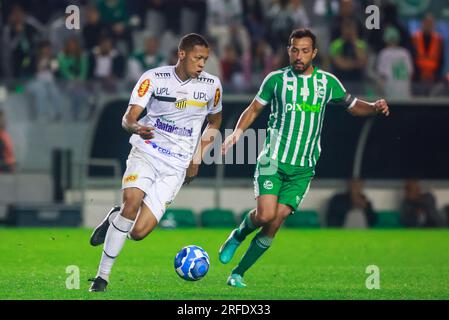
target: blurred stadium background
63 93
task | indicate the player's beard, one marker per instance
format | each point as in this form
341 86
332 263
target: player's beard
302 69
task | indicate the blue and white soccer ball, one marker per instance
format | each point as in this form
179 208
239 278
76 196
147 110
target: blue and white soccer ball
192 263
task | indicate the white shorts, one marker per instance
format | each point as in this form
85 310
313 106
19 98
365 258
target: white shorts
159 181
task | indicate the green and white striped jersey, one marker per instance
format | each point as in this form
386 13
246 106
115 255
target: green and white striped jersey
298 103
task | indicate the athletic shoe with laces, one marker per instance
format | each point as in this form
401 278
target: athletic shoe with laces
98 285
236 280
228 248
99 233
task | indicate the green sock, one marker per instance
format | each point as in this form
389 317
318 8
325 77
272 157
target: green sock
257 247
245 228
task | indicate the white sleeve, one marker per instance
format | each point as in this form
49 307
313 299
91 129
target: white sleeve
215 103
143 90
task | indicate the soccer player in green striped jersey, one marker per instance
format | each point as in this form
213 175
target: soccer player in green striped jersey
298 95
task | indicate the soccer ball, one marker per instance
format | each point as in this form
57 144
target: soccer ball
192 263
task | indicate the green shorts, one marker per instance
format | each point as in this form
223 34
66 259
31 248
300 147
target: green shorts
290 183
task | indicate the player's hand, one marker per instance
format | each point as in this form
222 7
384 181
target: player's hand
229 142
145 133
381 106
191 173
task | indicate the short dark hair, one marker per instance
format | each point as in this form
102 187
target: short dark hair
190 40
302 33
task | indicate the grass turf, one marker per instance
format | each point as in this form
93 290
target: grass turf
301 264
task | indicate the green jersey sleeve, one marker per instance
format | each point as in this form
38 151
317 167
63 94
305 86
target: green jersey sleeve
338 91
266 91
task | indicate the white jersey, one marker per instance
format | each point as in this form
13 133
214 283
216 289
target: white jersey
176 110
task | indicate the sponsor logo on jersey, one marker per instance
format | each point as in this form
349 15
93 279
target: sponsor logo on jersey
181 104
172 128
217 97
206 80
143 88
162 91
166 152
268 185
199 95
130 178
162 74
289 107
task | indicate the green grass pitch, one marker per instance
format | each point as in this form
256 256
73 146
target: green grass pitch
301 264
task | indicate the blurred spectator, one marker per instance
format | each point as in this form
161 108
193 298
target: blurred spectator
395 66
94 28
418 209
7 158
347 11
173 57
73 69
106 64
281 22
253 19
19 36
221 14
213 62
59 33
349 57
258 63
231 69
193 16
148 59
73 62
46 97
115 14
351 209
389 18
428 56
299 14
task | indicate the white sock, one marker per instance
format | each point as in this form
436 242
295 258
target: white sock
113 244
114 215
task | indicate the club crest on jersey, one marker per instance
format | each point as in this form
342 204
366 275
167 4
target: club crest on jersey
268 185
217 97
181 104
143 88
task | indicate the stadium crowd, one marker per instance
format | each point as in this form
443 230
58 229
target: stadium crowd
120 39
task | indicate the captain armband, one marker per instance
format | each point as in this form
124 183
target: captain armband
349 100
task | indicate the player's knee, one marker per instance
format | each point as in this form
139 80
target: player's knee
130 210
138 234
265 216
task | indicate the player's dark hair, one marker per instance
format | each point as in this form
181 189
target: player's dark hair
190 40
302 33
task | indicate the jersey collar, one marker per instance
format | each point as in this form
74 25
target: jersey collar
177 78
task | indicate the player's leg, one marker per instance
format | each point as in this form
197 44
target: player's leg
267 183
159 195
145 223
116 235
263 214
258 246
99 233
295 186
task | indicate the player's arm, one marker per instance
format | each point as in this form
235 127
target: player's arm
363 108
207 139
355 106
130 124
245 121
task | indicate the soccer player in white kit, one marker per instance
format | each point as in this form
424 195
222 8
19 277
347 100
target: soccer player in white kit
166 146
